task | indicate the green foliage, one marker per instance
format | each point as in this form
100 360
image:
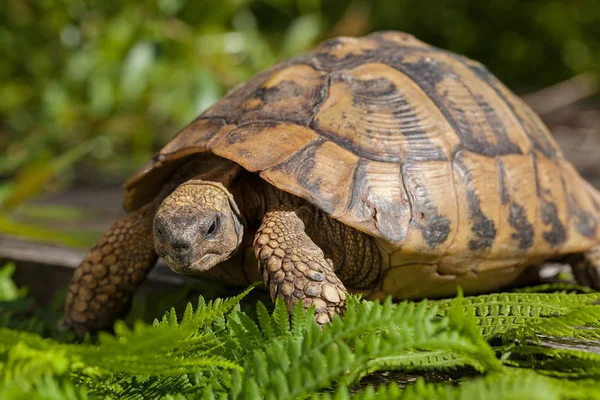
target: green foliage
297 366
525 315
556 287
509 384
8 290
46 387
161 358
216 350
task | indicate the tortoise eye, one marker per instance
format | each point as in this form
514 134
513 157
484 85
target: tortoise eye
159 234
213 228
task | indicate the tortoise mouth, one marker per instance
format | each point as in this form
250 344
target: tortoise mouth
204 263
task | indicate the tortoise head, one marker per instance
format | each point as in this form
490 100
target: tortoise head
197 227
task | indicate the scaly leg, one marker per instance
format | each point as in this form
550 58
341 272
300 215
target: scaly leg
102 286
586 267
294 267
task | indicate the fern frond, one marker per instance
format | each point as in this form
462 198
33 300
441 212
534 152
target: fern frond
556 287
297 365
461 345
242 336
521 304
511 384
127 387
462 319
245 335
264 320
45 387
281 319
216 351
499 314
581 323
31 362
152 350
205 313
145 350
9 338
301 318
567 363
410 361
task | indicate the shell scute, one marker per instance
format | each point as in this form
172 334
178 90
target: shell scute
583 219
479 199
320 172
552 202
458 96
258 146
538 135
379 202
231 107
400 39
432 197
380 114
291 94
518 205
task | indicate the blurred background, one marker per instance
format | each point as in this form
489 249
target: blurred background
90 89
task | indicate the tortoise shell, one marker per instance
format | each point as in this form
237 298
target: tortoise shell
419 147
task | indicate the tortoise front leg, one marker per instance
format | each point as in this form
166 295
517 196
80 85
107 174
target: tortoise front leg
102 286
294 267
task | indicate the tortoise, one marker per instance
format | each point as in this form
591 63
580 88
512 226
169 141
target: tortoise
380 165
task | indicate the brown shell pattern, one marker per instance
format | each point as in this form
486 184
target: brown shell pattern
415 145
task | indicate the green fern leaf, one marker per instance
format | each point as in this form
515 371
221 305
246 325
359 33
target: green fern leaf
581 323
500 315
205 313
312 358
44 387
126 387
243 335
567 363
410 361
510 384
265 322
556 287
301 318
281 318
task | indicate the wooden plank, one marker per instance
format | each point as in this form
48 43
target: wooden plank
20 250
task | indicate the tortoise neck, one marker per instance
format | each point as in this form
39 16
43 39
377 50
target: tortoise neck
209 168
255 197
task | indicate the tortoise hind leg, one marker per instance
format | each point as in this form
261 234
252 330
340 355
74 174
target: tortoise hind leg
102 286
586 267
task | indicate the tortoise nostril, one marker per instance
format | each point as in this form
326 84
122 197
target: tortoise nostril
180 247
